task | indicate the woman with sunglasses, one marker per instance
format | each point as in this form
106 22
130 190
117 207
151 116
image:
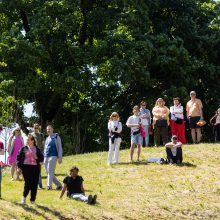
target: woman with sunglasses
114 128
15 143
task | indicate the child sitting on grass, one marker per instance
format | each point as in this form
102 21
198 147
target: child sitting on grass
74 186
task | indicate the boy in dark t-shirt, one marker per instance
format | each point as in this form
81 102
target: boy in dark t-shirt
74 186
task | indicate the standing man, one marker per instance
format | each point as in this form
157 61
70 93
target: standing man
52 152
39 137
194 114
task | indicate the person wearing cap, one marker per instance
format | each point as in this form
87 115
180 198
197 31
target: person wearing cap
174 151
160 122
73 184
177 120
194 114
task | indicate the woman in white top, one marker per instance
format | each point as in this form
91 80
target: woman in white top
177 120
115 128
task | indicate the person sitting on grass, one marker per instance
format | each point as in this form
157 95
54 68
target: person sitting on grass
74 186
174 151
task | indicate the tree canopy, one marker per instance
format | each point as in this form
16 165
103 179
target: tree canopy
80 60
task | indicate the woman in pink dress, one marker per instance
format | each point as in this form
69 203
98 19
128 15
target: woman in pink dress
15 143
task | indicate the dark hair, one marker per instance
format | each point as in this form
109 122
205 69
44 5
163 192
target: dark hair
177 98
74 168
143 102
32 138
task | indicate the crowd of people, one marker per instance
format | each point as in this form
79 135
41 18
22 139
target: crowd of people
142 124
26 159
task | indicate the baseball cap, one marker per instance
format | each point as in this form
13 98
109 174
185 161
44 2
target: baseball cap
192 93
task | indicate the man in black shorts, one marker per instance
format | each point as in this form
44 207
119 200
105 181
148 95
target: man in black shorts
74 186
194 114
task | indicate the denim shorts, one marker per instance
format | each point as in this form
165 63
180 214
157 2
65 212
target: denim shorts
136 139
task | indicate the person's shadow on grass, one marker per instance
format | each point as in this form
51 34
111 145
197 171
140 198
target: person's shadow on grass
33 210
141 162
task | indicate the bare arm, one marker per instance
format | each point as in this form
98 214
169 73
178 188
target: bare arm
170 145
82 188
63 191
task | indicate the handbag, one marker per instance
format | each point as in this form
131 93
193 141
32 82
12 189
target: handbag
178 120
161 123
136 132
143 133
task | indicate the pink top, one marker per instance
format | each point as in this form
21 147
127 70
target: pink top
29 156
18 144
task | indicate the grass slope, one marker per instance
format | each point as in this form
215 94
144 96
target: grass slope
128 191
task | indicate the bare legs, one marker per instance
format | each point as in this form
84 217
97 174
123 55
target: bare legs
132 151
196 134
13 170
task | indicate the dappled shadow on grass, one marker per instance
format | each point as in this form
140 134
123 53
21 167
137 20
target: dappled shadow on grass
187 164
53 212
32 209
184 164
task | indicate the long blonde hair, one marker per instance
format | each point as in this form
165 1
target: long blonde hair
16 129
114 114
158 100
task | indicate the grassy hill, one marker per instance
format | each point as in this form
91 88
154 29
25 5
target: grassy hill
128 191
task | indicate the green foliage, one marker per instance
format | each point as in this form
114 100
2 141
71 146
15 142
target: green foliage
80 60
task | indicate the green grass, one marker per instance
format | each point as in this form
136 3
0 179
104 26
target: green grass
128 191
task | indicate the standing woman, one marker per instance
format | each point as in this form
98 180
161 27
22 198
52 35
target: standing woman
28 162
160 122
15 143
215 121
115 128
177 122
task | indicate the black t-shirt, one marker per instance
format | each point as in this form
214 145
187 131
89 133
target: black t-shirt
73 185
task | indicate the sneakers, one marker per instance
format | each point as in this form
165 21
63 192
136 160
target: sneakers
90 200
49 187
94 199
23 200
32 202
59 188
